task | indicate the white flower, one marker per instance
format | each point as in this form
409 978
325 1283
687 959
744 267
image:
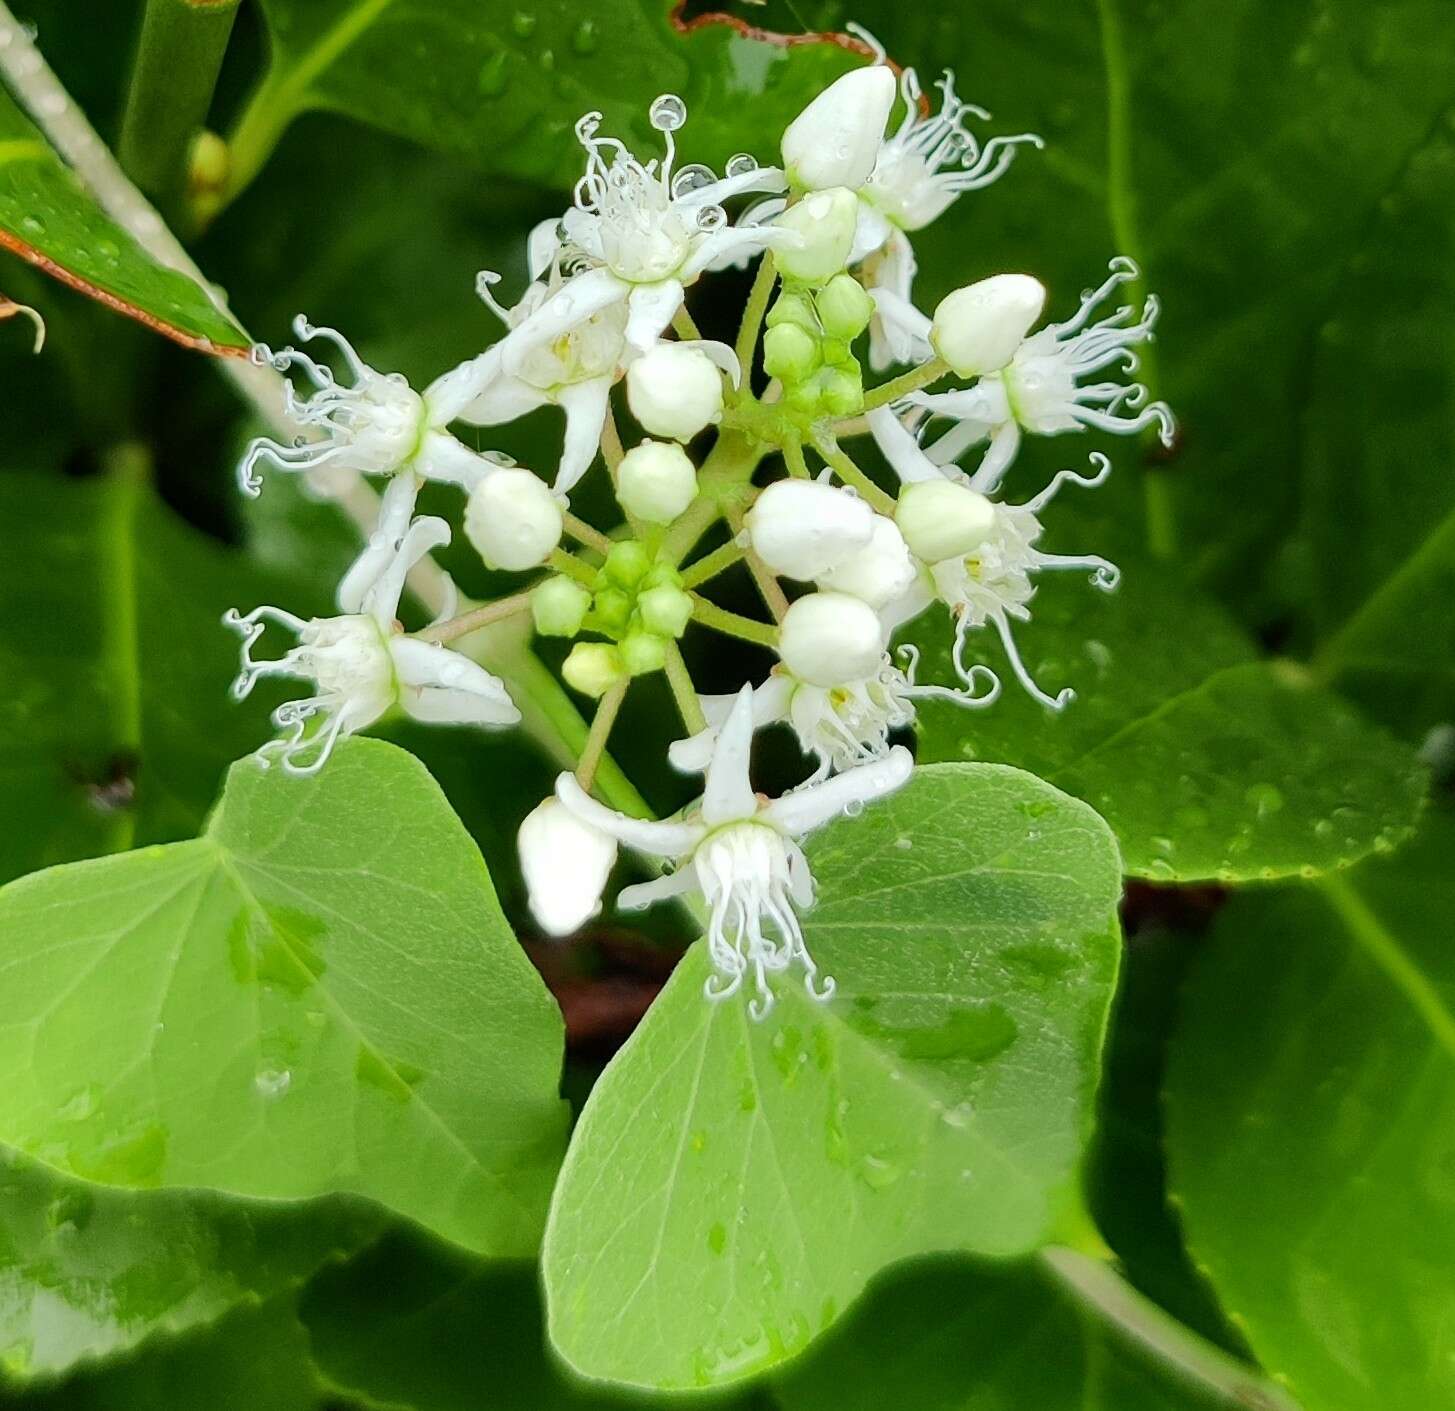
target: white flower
377 425
638 233
362 664
993 582
842 726
565 863
675 390
919 173
805 528
741 853
880 572
826 638
1040 389
835 140
656 481
978 329
513 520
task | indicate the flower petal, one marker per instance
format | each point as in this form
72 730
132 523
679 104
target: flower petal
806 809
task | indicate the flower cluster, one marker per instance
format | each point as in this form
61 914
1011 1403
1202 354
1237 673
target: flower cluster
840 560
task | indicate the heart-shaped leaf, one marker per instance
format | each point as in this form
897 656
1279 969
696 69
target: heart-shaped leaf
733 1186
87 1273
1311 1127
1206 763
319 995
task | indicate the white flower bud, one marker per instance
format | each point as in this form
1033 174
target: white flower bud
824 223
565 862
804 528
830 639
941 519
674 391
880 572
512 519
978 328
835 140
656 481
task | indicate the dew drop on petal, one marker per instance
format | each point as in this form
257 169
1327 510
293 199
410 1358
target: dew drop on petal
667 113
741 164
692 178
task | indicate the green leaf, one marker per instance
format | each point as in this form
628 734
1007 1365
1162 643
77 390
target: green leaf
505 87
256 1359
1206 764
1379 510
409 1323
115 722
87 1273
1311 1128
48 218
733 1186
957 1336
319 995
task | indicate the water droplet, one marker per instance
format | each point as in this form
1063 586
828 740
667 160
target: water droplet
273 1082
585 39
33 225
80 1105
741 163
692 177
879 1171
523 23
904 844
1266 798
667 113
494 79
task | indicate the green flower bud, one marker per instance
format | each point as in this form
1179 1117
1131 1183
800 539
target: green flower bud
795 308
790 353
844 307
842 391
642 652
804 397
627 563
665 611
593 668
835 351
663 575
613 609
558 606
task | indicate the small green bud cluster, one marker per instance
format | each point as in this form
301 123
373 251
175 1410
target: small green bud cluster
808 346
636 601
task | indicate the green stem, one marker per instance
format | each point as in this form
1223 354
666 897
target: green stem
910 381
683 691
178 59
710 565
729 466
126 474
850 474
1177 1349
733 624
601 723
753 311
793 459
686 325
475 619
586 534
572 567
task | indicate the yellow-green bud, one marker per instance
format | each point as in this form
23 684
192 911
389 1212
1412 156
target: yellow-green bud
941 519
796 308
825 222
844 307
593 668
613 608
642 652
665 611
842 390
627 563
790 353
835 351
559 606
